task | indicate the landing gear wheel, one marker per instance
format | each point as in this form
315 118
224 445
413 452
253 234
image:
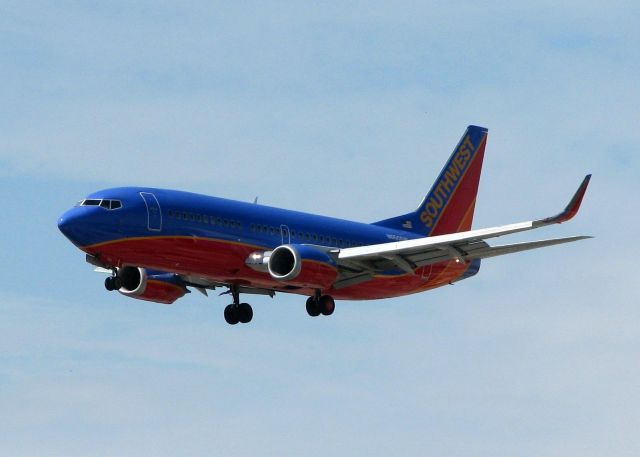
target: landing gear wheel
110 283
231 315
327 305
313 307
245 313
236 311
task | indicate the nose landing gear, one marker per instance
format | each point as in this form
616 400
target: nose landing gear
112 283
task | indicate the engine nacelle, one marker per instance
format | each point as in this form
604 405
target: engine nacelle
152 286
302 266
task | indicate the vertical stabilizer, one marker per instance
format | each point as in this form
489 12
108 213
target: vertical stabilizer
449 205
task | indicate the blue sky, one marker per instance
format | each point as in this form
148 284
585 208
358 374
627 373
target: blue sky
347 110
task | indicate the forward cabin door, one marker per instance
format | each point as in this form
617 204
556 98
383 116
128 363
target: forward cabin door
285 234
154 215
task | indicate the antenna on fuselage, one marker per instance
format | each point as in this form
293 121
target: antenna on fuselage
255 200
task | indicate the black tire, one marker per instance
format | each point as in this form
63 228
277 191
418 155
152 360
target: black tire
108 283
327 305
117 283
313 307
245 313
231 315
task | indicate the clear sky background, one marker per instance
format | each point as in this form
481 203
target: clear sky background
348 111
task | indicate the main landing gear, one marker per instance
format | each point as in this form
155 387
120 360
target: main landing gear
320 304
236 311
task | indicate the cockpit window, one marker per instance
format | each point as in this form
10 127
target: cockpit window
104 203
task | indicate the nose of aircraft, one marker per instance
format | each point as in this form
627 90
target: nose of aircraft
69 224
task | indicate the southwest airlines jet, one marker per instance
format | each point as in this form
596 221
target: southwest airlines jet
157 243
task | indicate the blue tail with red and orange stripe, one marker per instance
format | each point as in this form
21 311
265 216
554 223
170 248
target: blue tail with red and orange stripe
449 205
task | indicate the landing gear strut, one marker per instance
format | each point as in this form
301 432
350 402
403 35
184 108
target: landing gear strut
320 304
237 312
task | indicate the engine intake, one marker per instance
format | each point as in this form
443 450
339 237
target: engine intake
133 280
152 286
285 263
302 265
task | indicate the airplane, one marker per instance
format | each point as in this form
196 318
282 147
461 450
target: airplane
157 243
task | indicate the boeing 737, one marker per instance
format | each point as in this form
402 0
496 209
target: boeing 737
156 244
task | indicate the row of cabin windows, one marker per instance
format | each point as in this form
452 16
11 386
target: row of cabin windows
205 219
296 235
301 236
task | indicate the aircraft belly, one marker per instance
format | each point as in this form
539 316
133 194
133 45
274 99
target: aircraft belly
224 262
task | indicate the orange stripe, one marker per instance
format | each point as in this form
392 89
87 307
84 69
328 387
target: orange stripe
466 215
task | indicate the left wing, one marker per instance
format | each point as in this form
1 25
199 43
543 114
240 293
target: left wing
463 246
202 284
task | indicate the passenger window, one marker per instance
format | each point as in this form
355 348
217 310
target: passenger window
205 219
199 217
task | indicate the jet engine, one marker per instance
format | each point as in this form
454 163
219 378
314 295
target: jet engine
297 265
155 286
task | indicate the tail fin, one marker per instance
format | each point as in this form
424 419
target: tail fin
449 205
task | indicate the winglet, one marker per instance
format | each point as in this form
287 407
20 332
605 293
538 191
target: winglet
573 206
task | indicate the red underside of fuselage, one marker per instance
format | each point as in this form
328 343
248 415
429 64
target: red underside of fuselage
224 262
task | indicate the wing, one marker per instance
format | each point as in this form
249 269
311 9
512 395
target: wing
360 263
202 284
